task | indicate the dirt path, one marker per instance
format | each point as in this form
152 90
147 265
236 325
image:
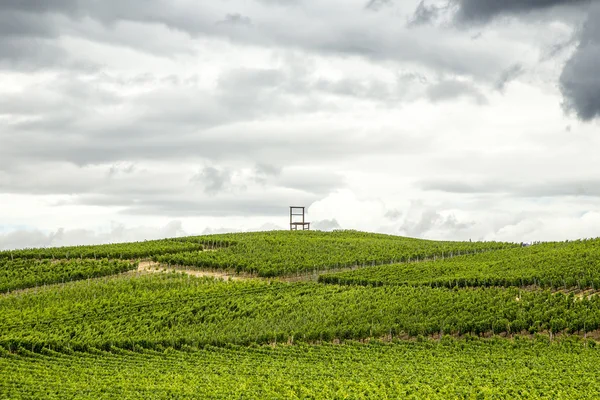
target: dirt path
154 267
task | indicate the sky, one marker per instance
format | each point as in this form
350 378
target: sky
453 120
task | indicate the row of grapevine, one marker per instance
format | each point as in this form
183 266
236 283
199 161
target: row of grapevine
564 265
177 310
444 370
25 273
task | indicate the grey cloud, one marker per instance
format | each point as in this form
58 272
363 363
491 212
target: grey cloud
558 48
452 224
236 19
247 80
40 6
15 24
424 14
485 10
121 168
408 77
28 42
393 214
452 89
352 34
136 190
589 188
213 180
508 75
189 205
428 220
86 119
264 173
267 169
137 143
118 179
31 54
580 80
450 186
376 5
368 88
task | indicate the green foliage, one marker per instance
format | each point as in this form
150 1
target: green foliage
551 265
446 370
175 336
25 273
276 253
175 310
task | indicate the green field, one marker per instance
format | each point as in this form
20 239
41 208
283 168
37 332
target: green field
310 315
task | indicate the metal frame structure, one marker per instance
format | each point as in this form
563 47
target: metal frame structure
295 225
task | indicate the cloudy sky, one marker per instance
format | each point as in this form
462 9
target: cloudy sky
459 119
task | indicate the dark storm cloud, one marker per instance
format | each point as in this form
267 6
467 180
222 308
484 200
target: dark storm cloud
485 10
580 79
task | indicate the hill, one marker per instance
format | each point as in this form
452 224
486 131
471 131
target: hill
311 315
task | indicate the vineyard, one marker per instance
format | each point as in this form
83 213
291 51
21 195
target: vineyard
173 310
386 317
21 274
400 370
550 265
269 254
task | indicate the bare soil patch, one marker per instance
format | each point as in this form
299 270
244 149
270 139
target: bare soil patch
154 267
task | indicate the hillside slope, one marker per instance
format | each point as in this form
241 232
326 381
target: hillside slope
442 319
